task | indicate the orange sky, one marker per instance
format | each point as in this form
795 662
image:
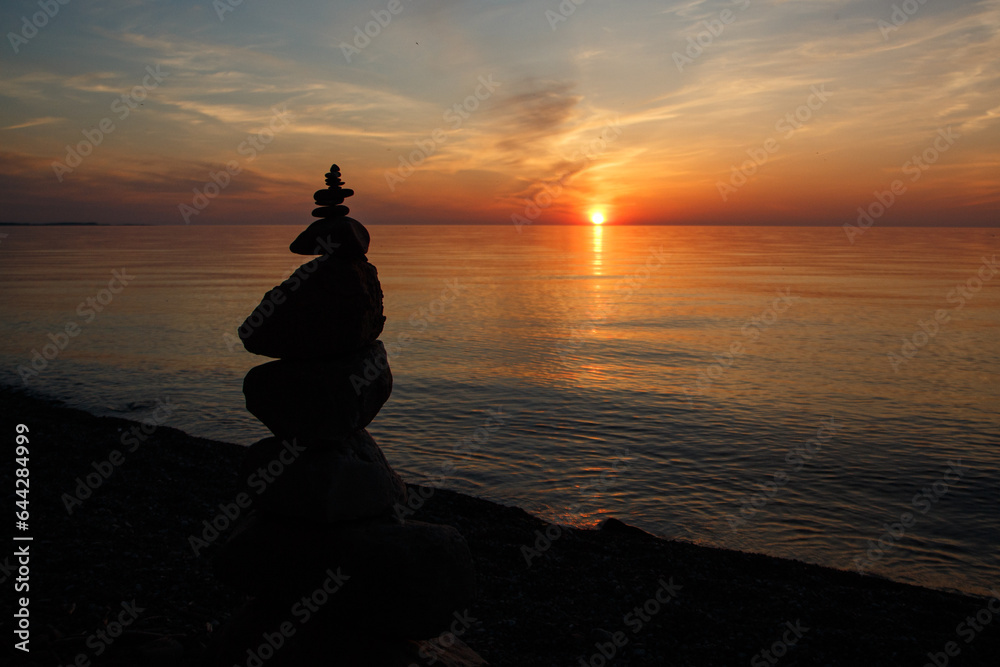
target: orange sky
696 112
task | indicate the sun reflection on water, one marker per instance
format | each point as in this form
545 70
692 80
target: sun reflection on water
598 245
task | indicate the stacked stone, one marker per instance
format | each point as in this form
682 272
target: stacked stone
334 575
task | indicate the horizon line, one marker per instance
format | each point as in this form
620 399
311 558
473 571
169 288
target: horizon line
496 224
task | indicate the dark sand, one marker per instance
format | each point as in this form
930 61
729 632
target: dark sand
129 542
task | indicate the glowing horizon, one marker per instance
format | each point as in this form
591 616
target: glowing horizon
703 112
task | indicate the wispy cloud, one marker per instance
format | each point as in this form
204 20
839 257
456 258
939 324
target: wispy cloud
35 122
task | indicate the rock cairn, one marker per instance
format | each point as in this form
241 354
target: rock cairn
333 575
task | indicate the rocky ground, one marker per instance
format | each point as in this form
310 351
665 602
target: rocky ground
123 560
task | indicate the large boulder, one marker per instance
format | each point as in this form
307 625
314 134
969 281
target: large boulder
320 399
395 580
326 306
322 481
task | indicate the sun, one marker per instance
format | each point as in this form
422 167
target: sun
597 218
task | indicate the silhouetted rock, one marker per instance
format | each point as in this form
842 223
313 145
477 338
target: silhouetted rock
403 581
331 211
342 237
321 399
322 481
332 195
327 520
329 306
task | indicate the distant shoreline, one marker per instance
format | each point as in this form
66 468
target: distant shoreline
54 224
491 224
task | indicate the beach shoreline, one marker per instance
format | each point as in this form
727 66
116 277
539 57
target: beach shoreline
119 511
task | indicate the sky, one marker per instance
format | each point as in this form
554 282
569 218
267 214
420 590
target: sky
696 112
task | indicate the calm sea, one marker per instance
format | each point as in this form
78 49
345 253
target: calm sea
726 386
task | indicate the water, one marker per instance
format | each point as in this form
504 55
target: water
583 372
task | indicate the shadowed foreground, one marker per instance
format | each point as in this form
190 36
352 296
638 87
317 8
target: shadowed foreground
125 560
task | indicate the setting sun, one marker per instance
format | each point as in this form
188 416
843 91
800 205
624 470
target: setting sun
597 218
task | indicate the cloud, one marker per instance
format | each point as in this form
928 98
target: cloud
537 114
34 122
608 63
